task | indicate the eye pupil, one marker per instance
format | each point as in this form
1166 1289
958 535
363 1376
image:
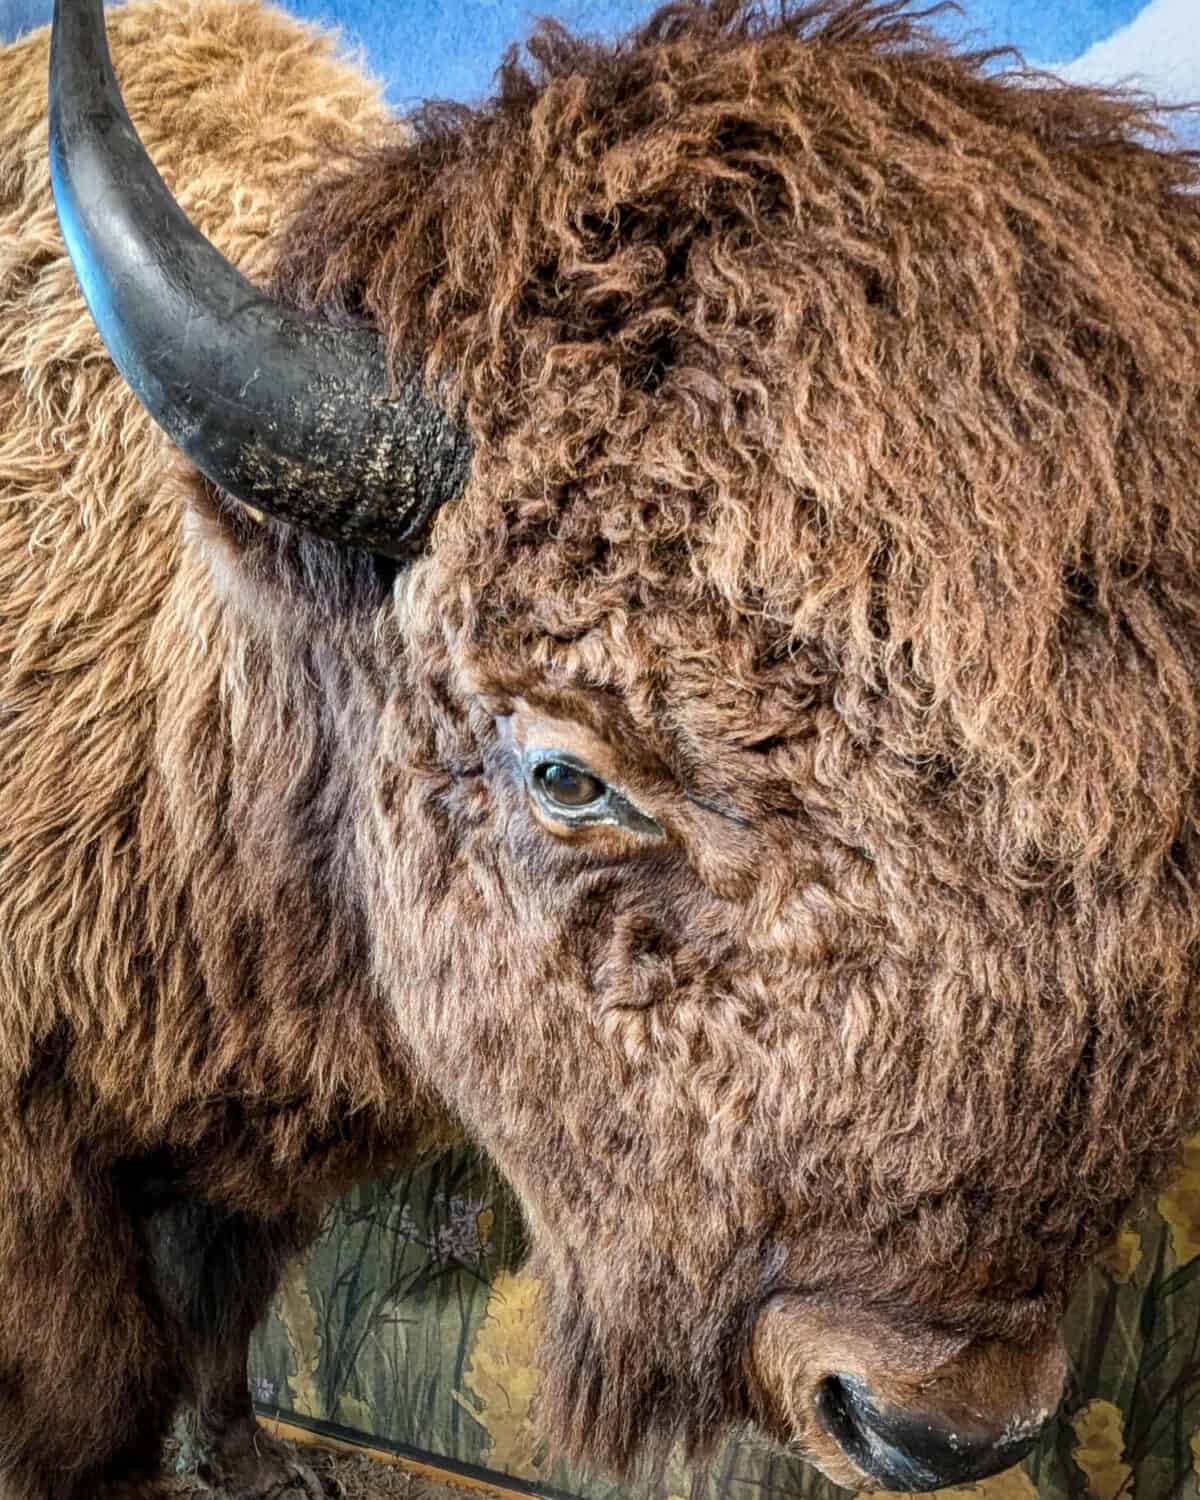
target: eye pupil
568 785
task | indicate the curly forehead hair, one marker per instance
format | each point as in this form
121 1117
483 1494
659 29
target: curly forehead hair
810 360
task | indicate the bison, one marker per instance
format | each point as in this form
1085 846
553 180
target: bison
662 634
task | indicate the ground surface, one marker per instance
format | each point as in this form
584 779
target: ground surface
347 1476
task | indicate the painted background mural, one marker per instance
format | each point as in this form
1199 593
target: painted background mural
411 1322
450 47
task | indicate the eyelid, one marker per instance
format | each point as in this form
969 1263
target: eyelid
616 808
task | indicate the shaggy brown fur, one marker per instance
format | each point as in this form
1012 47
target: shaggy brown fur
175 1020
837 446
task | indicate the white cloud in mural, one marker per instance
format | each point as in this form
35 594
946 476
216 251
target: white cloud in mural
1159 52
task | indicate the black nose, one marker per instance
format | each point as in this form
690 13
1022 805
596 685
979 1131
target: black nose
913 1451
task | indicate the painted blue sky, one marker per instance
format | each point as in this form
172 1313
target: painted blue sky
458 45
449 48
1051 31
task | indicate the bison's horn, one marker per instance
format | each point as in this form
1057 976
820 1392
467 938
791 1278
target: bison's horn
288 413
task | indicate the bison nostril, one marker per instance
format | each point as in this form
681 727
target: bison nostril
910 1450
835 1403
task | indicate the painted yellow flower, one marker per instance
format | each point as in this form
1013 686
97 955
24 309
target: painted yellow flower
503 1376
1101 1451
352 1411
1013 1484
294 1305
1122 1258
1180 1204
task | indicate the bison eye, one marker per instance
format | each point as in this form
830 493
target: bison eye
567 786
569 793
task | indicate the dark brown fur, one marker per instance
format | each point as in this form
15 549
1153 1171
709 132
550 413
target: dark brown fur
837 456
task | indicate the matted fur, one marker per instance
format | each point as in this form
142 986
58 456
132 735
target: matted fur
835 409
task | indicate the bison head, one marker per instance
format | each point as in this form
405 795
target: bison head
778 830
